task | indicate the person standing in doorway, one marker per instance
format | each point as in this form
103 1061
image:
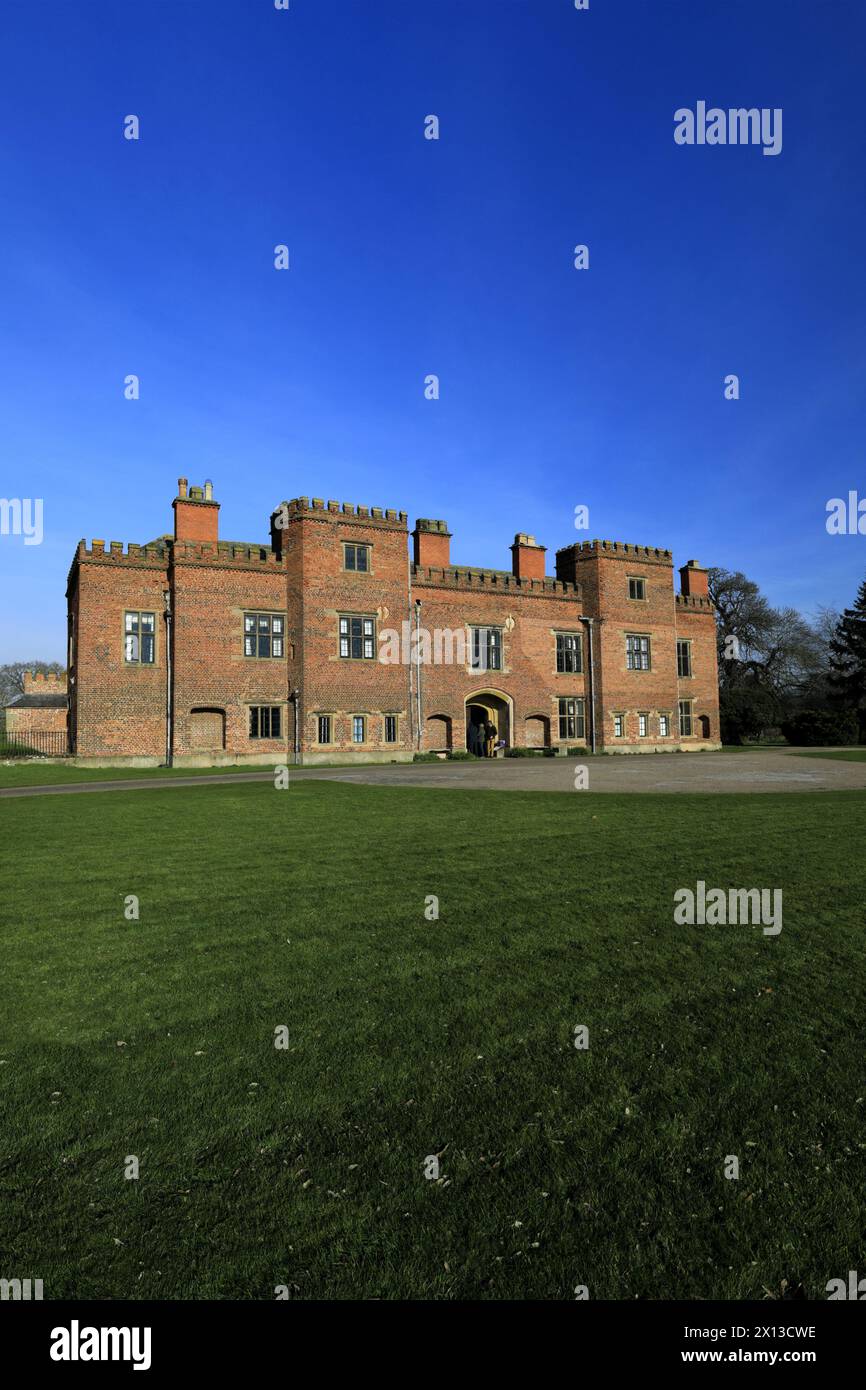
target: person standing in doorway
474 739
490 732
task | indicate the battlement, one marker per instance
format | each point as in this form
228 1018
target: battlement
155 552
325 511
696 601
232 554
621 549
465 577
160 552
43 682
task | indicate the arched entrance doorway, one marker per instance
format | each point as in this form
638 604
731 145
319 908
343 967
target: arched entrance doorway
493 707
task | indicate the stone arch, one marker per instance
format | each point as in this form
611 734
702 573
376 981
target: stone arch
494 705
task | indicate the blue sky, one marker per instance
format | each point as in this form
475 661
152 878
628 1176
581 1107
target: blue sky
409 257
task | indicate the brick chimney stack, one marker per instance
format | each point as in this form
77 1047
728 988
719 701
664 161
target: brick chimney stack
527 557
431 543
694 581
196 514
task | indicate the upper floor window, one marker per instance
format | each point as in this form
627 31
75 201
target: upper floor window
357 638
568 652
356 557
571 719
266 721
486 649
264 634
684 658
636 587
139 637
637 652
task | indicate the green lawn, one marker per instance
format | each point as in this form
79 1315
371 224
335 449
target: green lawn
409 1037
848 755
37 774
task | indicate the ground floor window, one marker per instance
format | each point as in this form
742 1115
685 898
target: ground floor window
685 718
618 725
571 720
664 725
390 728
642 725
324 728
266 721
359 728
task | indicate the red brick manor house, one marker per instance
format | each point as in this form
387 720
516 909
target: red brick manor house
333 643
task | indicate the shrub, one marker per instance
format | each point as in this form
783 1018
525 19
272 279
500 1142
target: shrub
814 727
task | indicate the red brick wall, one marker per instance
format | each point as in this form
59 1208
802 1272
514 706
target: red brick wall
529 615
604 569
211 671
119 708
35 721
319 591
696 622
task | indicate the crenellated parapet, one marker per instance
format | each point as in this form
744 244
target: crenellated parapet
226 554
623 549
696 603
465 577
154 553
321 510
164 553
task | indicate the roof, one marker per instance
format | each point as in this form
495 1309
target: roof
37 702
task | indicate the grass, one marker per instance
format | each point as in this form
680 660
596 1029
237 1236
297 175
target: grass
407 1037
37 774
847 755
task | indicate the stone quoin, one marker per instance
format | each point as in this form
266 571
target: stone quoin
198 651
